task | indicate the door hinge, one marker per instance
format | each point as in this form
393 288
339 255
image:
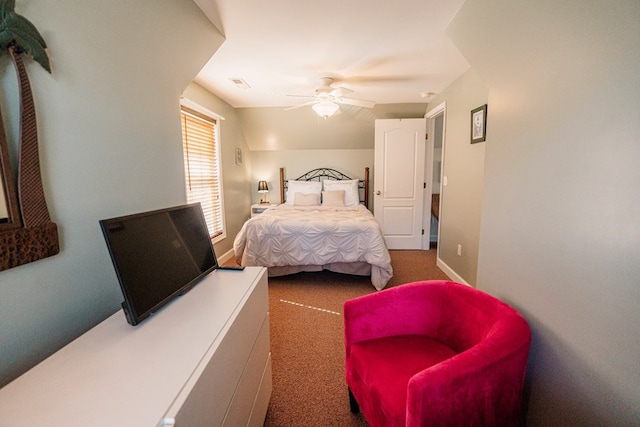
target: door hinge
423 231
424 185
426 136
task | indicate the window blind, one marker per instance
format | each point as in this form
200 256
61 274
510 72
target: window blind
202 167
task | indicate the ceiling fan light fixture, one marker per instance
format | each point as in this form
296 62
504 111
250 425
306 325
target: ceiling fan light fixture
325 108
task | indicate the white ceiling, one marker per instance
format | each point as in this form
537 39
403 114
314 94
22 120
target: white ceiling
385 51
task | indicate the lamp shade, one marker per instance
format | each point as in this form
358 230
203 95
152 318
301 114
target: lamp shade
325 108
263 187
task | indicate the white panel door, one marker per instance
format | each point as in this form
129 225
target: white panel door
398 184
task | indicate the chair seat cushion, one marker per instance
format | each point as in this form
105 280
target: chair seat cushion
386 365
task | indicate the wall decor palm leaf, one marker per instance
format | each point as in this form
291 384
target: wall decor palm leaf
18 31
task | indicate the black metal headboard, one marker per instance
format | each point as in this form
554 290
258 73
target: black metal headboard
321 174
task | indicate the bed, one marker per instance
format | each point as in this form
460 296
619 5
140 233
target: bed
322 223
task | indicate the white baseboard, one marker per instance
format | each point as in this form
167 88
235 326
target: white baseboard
450 272
226 256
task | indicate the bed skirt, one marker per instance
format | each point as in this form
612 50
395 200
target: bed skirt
378 275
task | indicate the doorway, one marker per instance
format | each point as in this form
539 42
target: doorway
435 154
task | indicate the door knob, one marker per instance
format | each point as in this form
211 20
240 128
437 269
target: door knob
378 193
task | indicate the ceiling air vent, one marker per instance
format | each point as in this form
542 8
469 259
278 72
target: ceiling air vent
241 84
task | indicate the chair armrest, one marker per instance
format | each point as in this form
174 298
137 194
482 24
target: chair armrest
463 390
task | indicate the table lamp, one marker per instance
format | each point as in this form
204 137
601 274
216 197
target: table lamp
263 188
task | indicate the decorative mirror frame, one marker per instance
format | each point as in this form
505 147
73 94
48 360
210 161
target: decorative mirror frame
9 190
33 236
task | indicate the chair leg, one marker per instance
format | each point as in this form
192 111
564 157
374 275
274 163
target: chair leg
353 403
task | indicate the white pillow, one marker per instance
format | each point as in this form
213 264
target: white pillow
308 187
350 188
333 198
306 199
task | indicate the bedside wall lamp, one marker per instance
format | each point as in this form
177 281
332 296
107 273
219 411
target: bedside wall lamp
264 189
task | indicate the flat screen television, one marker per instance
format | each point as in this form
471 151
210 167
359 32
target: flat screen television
158 256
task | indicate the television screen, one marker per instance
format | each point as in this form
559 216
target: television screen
158 255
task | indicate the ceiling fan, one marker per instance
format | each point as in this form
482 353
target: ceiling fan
326 99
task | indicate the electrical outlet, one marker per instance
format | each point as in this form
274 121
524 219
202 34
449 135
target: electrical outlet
459 249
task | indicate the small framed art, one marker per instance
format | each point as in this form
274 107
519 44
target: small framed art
479 124
238 156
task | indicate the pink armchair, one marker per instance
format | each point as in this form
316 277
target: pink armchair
435 353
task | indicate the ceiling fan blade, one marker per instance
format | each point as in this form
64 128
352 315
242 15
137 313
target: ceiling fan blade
300 96
378 79
304 104
340 92
357 102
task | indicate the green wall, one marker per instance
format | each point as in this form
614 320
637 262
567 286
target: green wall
110 144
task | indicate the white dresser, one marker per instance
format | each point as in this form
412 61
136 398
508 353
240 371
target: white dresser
203 360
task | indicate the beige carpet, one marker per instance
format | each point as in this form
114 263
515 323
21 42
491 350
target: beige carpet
307 340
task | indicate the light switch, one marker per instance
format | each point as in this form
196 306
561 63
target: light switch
444 180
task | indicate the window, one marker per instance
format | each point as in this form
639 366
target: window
203 178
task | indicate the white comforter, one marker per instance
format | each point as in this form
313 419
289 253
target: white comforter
330 237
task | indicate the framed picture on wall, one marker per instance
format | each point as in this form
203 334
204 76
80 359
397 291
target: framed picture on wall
238 156
479 124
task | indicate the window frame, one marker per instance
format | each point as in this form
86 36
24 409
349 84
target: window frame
199 112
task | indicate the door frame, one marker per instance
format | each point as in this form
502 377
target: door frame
430 116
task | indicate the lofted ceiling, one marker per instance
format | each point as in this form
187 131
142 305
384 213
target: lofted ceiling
384 51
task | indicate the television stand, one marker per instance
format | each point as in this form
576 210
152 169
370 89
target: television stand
204 359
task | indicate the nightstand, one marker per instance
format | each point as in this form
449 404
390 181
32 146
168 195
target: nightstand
258 208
